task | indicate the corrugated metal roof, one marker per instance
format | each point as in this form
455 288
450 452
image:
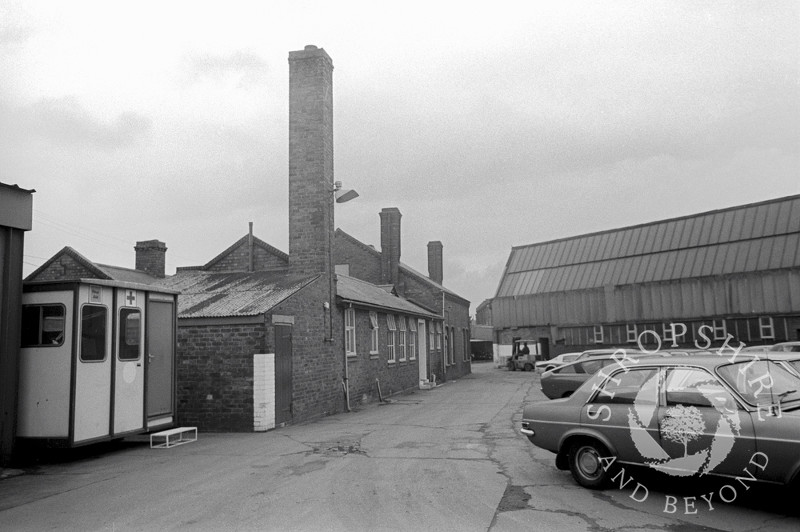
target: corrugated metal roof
748 238
126 274
350 289
216 294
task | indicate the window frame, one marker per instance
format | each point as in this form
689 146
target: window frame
770 326
40 325
632 328
374 338
598 338
83 337
350 347
412 338
122 336
401 342
720 331
391 327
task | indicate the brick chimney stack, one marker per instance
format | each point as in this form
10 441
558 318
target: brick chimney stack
435 261
151 256
310 161
390 245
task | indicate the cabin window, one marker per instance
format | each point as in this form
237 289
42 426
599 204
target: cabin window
42 325
93 333
130 333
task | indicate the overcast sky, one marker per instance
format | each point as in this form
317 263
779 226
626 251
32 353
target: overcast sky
489 125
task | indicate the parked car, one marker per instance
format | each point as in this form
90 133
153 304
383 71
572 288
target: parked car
546 365
666 413
563 380
603 352
791 347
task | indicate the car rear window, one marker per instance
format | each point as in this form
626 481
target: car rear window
761 381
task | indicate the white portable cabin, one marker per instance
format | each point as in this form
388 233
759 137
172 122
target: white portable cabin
97 361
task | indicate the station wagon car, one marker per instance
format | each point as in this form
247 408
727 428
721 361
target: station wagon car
683 416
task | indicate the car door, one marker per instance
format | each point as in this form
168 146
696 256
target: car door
623 409
702 428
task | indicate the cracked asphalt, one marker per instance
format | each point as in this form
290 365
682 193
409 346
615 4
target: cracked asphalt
450 458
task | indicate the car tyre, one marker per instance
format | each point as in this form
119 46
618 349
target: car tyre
528 367
586 466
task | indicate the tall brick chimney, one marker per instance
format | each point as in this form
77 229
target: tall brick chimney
435 261
151 256
310 161
390 245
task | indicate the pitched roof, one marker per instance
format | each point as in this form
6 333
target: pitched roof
404 267
747 238
233 247
219 294
356 291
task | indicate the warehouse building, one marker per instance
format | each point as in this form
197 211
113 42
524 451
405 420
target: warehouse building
725 275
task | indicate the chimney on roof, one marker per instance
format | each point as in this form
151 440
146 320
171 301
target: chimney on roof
390 245
151 256
310 162
435 261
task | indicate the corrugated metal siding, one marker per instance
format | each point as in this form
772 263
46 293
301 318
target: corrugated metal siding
761 293
744 239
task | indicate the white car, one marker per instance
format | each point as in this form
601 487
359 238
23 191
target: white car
560 360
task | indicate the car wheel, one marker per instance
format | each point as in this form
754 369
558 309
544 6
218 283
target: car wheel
586 466
528 367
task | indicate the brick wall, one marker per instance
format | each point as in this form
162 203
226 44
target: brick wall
65 267
238 259
365 367
364 264
317 368
215 375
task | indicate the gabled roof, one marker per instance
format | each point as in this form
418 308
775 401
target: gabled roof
83 270
747 238
405 268
257 242
362 293
220 294
90 268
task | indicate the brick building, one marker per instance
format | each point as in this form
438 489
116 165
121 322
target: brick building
730 274
266 337
449 357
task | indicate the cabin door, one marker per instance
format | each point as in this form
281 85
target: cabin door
422 337
159 357
283 374
129 364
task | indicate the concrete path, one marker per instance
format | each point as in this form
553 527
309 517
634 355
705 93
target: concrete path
443 459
